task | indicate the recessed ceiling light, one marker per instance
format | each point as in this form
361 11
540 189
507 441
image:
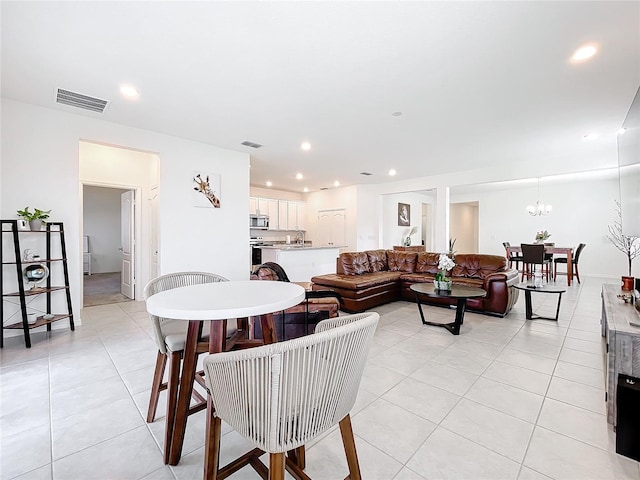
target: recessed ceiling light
299 176
336 183
129 91
583 53
396 114
591 136
392 172
305 190
306 146
269 183
621 131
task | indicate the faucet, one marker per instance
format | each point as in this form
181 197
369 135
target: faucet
300 237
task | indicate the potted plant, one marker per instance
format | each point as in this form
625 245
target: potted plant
35 219
444 265
627 244
541 236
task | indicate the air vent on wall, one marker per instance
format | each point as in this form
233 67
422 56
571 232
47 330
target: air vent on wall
247 143
79 100
324 188
366 173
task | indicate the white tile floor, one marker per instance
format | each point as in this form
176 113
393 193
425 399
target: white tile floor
507 399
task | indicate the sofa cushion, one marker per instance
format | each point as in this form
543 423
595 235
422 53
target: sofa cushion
356 282
399 261
354 263
478 266
377 260
427 262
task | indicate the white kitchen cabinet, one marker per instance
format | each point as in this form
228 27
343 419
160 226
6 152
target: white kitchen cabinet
253 206
272 208
302 215
295 216
283 215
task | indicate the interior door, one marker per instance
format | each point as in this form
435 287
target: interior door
324 228
127 240
153 207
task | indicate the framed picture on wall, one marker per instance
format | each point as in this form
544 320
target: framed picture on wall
206 189
404 214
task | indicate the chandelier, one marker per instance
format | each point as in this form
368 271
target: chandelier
539 209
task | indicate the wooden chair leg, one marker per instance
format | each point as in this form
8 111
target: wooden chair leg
172 400
161 362
298 456
276 466
350 448
212 443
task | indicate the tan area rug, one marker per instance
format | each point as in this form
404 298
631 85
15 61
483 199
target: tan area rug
102 289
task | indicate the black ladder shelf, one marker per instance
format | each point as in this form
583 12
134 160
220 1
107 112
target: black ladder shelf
52 229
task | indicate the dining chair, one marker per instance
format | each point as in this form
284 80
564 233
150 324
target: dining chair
514 257
316 303
281 396
574 263
532 255
170 337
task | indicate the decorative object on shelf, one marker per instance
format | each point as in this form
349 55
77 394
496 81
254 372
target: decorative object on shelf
452 243
23 224
407 239
206 187
445 264
35 274
36 218
541 236
627 244
627 297
539 209
32 318
404 214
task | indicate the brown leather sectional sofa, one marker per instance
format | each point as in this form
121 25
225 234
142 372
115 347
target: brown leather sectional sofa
367 279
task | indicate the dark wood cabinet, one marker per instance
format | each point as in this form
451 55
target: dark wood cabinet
11 277
411 248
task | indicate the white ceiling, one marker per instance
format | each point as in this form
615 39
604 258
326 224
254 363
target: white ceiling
480 84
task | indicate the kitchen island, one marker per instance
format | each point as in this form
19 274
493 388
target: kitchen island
302 262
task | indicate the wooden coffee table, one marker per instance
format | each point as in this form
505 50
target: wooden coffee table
548 288
458 292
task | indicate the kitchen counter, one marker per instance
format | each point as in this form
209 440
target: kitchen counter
297 247
302 262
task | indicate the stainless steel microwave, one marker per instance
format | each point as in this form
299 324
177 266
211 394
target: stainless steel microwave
260 222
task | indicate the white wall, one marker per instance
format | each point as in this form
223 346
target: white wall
583 207
582 210
39 157
101 223
392 233
464 226
135 170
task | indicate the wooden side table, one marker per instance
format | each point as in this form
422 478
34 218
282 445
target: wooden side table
545 289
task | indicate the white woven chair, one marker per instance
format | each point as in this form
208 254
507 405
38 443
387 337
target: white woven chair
281 396
171 336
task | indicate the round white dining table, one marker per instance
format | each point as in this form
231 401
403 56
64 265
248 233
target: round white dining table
216 302
223 300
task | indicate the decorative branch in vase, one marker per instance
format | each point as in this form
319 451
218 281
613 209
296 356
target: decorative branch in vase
627 244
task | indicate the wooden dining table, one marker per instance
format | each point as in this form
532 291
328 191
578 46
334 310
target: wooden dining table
216 302
568 251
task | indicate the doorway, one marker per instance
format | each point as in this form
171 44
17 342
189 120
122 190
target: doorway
108 238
